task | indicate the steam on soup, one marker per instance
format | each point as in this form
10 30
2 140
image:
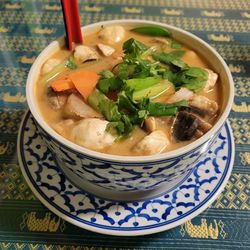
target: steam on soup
129 91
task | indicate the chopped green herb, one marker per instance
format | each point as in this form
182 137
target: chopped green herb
109 84
134 48
70 63
162 109
175 45
106 74
168 58
104 105
193 78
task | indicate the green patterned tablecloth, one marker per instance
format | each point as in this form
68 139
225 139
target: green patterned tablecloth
26 27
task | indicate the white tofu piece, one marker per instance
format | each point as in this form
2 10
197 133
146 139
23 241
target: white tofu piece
204 104
212 79
151 144
91 133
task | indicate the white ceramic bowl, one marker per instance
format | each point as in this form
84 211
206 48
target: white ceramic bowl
131 173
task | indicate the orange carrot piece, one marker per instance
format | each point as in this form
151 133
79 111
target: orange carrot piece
62 84
84 81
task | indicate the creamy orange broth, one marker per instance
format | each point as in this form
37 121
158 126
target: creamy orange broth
124 146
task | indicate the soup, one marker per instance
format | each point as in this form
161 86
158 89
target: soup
129 91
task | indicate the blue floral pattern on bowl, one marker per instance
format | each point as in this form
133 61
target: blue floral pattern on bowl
151 215
123 176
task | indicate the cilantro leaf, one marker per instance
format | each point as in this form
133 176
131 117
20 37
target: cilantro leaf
70 63
175 45
134 48
109 84
193 78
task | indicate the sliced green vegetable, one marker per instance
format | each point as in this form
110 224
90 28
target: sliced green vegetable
53 73
151 92
142 83
104 105
125 104
152 31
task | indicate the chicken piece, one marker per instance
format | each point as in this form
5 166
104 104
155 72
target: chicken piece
212 79
56 100
181 94
62 127
49 65
76 107
150 124
91 133
83 53
112 34
154 143
204 104
105 49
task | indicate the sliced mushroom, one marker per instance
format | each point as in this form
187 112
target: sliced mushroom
84 53
181 94
154 143
49 65
112 34
91 133
204 126
56 100
198 133
212 79
188 125
76 107
105 49
204 104
184 126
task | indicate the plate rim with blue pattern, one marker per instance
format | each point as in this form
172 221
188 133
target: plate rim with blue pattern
142 217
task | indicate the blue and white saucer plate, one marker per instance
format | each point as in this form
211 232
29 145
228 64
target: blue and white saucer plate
139 217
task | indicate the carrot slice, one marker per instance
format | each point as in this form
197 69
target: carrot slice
84 81
62 84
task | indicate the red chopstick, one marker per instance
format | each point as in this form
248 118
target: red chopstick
72 22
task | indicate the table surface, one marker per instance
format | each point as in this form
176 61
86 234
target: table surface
27 26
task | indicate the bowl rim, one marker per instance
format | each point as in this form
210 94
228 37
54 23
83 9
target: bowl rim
33 106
